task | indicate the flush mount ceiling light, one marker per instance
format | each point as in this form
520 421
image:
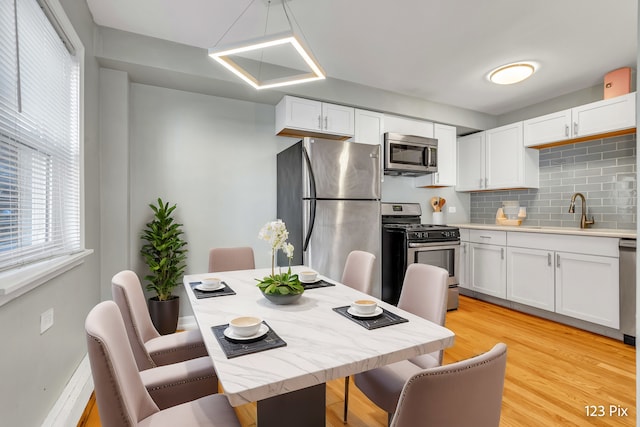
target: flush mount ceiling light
512 73
269 61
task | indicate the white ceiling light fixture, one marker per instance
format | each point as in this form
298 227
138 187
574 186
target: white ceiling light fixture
512 73
293 62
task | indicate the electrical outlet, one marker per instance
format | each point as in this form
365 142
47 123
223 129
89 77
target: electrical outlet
452 209
46 320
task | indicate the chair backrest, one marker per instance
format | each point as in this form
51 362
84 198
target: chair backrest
127 294
122 398
433 397
424 292
358 271
231 259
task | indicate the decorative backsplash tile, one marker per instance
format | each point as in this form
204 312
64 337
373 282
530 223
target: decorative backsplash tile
604 170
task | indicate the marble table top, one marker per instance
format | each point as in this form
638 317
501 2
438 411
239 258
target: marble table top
321 346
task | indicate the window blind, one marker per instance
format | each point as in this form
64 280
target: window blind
39 138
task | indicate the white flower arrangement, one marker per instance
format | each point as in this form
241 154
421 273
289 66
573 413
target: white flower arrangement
275 232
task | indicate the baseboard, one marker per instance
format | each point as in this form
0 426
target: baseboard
70 405
187 322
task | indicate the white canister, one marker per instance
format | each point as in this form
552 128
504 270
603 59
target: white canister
438 218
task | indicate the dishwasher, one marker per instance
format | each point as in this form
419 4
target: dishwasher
628 290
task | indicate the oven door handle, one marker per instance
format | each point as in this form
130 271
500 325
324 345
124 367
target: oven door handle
434 245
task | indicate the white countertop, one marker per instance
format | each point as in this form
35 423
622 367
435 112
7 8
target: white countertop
322 345
599 232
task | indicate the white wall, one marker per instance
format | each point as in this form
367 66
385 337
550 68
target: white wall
213 157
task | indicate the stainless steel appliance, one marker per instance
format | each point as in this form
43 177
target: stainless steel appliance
628 290
409 155
406 241
329 198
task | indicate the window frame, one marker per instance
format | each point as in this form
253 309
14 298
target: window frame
17 281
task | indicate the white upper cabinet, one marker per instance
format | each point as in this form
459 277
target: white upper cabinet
601 117
369 127
507 163
305 117
496 159
447 147
471 173
406 126
549 128
608 115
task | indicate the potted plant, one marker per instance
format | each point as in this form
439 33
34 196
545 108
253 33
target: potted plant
164 253
281 288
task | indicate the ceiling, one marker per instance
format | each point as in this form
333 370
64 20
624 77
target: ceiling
438 50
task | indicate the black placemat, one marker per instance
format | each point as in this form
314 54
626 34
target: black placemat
235 348
319 284
209 294
387 318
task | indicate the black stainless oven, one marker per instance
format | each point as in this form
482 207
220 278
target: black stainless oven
409 155
405 241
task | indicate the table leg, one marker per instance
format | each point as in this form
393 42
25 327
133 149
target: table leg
306 407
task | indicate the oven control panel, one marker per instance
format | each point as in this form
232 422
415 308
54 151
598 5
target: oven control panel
434 236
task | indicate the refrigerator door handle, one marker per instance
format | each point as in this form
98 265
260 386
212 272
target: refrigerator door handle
312 178
312 195
312 220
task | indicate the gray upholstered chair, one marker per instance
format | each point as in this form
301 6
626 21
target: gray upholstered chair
358 271
180 369
357 274
231 259
122 398
465 393
424 293
149 347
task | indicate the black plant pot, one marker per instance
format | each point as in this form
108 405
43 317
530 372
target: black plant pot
164 314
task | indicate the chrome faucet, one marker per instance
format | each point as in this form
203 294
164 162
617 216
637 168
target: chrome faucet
584 222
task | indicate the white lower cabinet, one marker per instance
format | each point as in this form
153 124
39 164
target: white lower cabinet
587 288
487 263
576 276
463 264
531 277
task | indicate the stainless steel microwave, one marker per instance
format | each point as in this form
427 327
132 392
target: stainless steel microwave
409 155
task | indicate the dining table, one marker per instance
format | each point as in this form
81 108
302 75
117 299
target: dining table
309 342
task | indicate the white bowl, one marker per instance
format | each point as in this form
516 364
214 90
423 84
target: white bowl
364 306
210 282
308 276
245 326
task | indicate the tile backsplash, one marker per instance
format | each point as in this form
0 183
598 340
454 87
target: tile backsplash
604 170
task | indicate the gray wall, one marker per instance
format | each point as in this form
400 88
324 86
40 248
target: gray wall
402 189
35 368
604 170
213 157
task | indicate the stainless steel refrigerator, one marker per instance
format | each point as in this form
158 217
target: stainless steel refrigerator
329 198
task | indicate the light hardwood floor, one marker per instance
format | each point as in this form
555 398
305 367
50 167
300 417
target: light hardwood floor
553 373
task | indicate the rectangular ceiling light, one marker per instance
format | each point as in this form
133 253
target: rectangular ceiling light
223 56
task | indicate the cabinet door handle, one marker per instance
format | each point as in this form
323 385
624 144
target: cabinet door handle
326 122
486 182
437 178
575 128
464 248
549 259
566 130
557 260
485 237
480 182
319 121
501 253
